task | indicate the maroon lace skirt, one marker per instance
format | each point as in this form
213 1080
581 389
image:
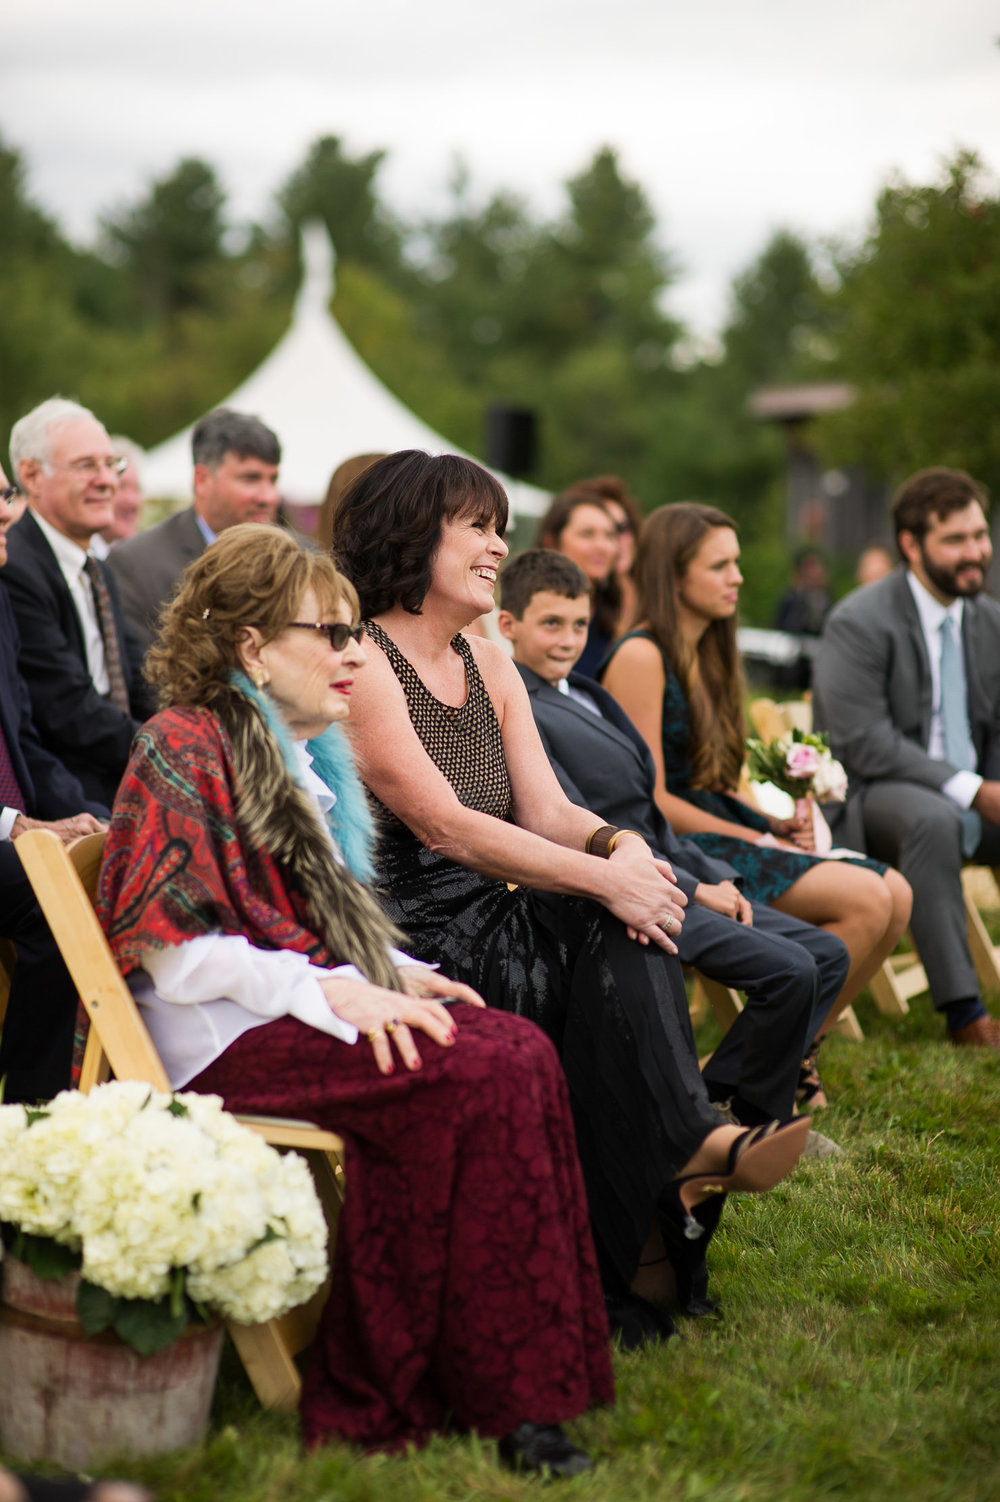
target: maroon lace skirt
465 1290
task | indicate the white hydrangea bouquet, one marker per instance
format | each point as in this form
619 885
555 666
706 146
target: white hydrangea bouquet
800 763
167 1206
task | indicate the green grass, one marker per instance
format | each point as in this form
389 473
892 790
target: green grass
858 1355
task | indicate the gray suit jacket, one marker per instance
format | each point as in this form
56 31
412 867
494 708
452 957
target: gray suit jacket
147 568
603 763
872 692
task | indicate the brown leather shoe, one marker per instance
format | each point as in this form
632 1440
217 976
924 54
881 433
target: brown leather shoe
983 1033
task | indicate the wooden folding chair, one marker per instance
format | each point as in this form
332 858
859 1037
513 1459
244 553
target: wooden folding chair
64 880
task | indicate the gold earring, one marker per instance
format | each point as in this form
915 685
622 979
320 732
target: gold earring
259 678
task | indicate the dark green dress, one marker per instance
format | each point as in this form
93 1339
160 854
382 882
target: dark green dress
766 872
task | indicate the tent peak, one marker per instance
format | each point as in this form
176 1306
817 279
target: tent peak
318 261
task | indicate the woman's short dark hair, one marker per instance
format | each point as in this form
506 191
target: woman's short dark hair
387 529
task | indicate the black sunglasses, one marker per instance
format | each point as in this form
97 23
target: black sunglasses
338 633
9 493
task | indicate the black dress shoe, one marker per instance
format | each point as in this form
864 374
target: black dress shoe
544 1449
636 1323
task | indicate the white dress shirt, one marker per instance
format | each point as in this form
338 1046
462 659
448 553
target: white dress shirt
578 695
199 997
71 559
963 786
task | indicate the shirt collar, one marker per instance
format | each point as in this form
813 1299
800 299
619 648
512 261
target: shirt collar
932 613
324 796
205 530
69 554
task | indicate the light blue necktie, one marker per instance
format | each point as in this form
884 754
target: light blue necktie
958 747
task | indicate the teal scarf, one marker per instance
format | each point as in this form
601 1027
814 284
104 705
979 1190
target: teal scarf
349 820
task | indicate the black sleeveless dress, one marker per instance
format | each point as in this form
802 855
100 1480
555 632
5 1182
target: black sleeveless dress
616 1010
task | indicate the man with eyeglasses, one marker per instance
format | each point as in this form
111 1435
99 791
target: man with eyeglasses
81 665
236 460
36 1040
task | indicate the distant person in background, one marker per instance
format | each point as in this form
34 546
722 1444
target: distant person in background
342 476
236 462
627 517
81 664
802 610
579 525
874 564
803 607
128 502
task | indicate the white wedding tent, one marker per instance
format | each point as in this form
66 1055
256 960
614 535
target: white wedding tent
321 399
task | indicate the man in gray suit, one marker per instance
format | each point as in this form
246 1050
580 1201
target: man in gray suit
907 682
791 971
236 462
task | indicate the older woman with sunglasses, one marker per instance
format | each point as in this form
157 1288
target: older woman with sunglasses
234 895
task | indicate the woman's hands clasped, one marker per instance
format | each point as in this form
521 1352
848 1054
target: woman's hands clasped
386 1018
643 895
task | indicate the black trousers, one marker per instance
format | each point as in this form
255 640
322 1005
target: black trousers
36 1044
792 972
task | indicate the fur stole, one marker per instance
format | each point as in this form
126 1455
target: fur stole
276 814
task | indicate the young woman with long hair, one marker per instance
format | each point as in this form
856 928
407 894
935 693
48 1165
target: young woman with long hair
678 677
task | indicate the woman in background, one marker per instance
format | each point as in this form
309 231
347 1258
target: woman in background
623 508
578 524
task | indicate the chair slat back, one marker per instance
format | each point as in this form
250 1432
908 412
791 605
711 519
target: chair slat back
63 880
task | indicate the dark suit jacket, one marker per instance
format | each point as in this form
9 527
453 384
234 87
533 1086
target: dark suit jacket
87 733
148 566
872 692
603 763
50 792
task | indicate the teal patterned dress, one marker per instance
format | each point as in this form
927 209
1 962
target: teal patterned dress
766 872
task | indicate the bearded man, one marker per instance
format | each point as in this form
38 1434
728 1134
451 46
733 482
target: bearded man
907 682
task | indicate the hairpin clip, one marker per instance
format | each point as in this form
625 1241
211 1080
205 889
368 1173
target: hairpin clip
206 613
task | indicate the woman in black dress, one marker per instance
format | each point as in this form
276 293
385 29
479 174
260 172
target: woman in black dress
580 944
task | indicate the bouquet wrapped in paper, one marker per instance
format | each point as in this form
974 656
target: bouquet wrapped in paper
169 1208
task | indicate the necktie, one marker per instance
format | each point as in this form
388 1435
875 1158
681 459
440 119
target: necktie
10 789
958 746
117 692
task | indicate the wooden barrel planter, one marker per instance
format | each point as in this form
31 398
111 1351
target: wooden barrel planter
72 1398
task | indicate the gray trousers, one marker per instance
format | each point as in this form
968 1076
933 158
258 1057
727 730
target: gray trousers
918 831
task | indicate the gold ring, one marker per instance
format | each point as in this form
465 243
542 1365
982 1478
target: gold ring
376 1032
391 1027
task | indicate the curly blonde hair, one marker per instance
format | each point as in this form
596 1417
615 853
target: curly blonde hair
251 575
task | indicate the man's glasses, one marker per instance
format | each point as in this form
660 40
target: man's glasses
337 633
9 494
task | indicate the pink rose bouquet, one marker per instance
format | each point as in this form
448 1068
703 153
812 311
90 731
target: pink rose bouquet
800 764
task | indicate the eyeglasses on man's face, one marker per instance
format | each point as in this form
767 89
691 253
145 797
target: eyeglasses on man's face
8 494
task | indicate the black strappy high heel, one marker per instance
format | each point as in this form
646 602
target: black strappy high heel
758 1159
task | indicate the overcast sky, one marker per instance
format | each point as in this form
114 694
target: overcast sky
736 116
